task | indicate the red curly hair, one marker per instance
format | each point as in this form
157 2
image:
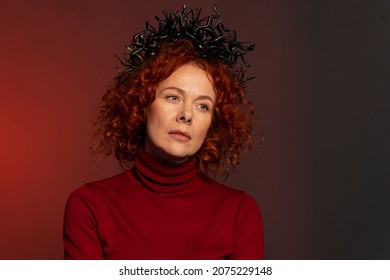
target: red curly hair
121 124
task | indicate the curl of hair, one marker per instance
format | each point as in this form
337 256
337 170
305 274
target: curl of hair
121 124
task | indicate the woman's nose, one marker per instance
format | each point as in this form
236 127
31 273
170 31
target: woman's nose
185 115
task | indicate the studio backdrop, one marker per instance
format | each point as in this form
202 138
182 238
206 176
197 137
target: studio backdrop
321 95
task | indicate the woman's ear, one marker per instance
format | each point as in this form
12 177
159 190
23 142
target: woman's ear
145 113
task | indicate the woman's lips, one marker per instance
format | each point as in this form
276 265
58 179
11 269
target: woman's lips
180 135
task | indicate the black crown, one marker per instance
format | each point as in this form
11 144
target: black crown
211 38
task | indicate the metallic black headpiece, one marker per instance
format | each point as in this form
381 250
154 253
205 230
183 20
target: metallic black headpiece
212 40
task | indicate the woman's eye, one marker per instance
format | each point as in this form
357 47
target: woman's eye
172 98
204 107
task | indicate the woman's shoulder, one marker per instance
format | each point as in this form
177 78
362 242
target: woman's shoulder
89 191
230 193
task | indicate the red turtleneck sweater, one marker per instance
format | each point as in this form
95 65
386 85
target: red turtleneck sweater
161 211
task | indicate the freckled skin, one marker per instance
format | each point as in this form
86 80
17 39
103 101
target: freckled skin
180 116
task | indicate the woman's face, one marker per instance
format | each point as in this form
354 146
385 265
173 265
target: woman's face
178 119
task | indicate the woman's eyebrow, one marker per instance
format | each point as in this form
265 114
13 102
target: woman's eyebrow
201 97
179 90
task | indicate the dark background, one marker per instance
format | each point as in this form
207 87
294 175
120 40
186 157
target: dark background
321 92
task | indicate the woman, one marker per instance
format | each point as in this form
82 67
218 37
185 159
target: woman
177 114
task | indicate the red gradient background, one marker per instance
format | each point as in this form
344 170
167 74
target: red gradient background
321 93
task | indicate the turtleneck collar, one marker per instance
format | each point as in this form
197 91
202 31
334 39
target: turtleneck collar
164 177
